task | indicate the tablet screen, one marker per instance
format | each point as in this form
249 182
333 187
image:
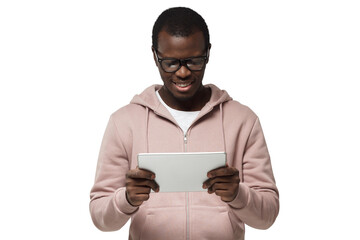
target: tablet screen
181 172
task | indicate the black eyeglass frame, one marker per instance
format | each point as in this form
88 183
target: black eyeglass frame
182 62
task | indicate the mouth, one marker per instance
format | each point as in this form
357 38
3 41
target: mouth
183 86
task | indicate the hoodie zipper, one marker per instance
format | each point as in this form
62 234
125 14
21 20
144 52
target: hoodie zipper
187 195
185 150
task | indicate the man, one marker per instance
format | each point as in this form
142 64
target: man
184 115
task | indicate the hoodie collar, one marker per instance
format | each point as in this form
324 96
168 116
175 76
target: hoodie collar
149 99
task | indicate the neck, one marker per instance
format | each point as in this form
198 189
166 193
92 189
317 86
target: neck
195 103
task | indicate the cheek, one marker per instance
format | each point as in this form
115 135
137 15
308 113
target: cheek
198 76
166 78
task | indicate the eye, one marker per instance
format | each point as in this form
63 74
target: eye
196 62
170 63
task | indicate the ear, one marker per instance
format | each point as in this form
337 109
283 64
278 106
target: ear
154 56
208 53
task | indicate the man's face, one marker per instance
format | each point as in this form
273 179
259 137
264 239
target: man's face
184 84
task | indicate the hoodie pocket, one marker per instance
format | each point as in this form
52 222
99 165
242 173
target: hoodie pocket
210 223
164 223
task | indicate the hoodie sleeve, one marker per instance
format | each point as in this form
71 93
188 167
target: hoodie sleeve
257 201
108 205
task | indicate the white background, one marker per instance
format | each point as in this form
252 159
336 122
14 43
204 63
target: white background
65 66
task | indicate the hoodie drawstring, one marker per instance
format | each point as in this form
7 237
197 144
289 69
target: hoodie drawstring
147 130
222 125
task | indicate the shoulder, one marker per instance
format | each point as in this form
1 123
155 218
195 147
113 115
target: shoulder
235 109
238 118
128 115
135 112
128 111
230 106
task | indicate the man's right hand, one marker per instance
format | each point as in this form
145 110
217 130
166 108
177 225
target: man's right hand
139 183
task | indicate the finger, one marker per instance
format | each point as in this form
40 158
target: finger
155 187
224 171
220 186
138 190
215 188
140 173
208 183
142 183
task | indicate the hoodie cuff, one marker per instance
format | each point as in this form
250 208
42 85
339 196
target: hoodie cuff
122 203
242 198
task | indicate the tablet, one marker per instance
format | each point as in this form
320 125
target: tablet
181 172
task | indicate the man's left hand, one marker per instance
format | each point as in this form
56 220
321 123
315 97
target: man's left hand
224 182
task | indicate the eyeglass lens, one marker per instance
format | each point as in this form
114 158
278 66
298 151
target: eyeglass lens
172 65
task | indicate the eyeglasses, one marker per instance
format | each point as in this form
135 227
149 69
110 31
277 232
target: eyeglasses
171 65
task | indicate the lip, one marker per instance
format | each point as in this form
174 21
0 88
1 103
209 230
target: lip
183 86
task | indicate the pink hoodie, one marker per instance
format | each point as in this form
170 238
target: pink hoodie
145 125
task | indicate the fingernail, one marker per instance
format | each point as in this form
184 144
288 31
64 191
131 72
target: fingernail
152 177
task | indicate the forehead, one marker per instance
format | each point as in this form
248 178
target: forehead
181 47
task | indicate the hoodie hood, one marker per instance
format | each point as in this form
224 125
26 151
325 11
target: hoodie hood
149 100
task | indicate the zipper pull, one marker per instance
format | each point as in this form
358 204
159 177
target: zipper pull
185 143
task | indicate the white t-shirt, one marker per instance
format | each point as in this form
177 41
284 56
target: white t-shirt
183 118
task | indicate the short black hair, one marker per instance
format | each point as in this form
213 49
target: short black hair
181 22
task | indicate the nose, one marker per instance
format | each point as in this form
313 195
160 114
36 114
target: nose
183 72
